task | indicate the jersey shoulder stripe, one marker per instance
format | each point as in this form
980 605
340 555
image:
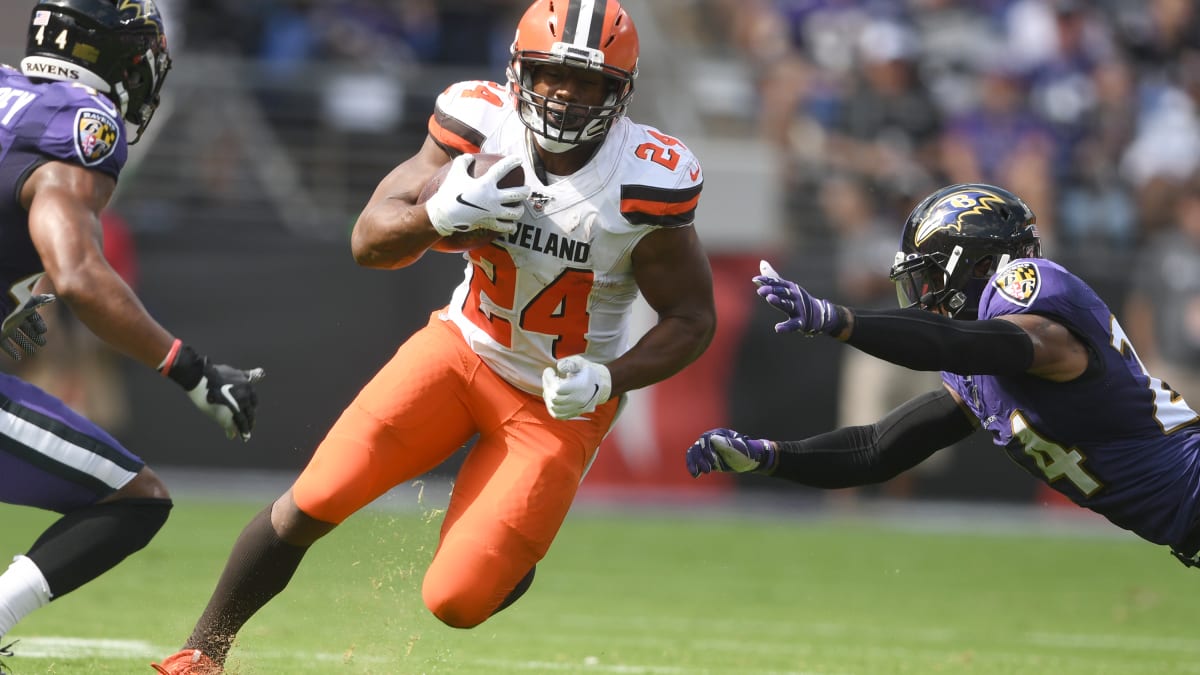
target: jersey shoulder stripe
466 114
453 135
661 179
663 207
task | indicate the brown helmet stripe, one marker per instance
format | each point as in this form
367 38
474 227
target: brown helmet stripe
584 23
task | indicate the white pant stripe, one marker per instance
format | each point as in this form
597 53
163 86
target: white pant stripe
63 451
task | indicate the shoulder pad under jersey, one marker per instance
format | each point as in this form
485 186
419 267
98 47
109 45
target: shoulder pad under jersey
1034 285
81 127
467 113
661 179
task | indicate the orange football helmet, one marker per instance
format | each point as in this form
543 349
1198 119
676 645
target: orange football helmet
595 35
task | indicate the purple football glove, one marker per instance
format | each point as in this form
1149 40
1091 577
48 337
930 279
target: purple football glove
806 314
728 450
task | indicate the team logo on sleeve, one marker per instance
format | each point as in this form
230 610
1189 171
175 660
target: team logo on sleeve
96 134
1019 283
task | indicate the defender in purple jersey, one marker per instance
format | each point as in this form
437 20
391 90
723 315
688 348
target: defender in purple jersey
1027 351
90 67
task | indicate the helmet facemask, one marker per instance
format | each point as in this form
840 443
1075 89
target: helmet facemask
557 125
950 285
142 83
595 36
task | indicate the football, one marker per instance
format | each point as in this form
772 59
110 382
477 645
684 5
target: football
465 241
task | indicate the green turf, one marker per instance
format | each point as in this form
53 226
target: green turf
655 594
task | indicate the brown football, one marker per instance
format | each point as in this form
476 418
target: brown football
465 241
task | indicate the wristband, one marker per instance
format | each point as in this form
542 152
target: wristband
186 368
169 359
838 322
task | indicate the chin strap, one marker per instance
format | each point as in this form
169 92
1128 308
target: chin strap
552 145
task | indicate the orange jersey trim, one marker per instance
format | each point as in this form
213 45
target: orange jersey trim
658 208
451 133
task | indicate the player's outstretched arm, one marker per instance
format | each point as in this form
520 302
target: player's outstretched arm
64 203
845 457
730 451
914 338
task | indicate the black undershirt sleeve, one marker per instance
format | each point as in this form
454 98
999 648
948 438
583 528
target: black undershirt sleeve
862 455
921 340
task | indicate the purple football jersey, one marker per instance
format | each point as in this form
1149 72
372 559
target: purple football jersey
1116 440
50 456
43 122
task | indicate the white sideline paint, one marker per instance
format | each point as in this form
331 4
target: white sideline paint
592 665
45 647
69 647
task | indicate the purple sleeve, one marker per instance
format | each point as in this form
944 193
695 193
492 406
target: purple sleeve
1037 286
82 128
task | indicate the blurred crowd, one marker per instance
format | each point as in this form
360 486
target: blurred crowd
289 34
1086 109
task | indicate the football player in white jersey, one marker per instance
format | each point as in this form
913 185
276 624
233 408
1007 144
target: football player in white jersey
533 351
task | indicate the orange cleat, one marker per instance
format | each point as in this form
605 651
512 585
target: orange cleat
188 662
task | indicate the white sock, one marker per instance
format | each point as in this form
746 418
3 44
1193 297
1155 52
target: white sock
22 590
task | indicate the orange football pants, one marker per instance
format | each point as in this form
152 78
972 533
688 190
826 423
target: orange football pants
510 496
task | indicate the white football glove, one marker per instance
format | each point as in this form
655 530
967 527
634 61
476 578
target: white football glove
575 386
464 203
224 393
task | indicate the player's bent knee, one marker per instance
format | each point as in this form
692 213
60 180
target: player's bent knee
145 485
467 606
140 520
455 612
462 600
522 586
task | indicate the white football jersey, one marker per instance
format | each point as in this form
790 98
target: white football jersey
562 283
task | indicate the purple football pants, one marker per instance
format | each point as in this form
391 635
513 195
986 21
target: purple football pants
52 457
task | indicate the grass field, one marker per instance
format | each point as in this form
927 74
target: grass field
659 593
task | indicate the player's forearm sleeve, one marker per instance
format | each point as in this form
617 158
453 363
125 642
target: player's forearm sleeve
874 453
921 340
